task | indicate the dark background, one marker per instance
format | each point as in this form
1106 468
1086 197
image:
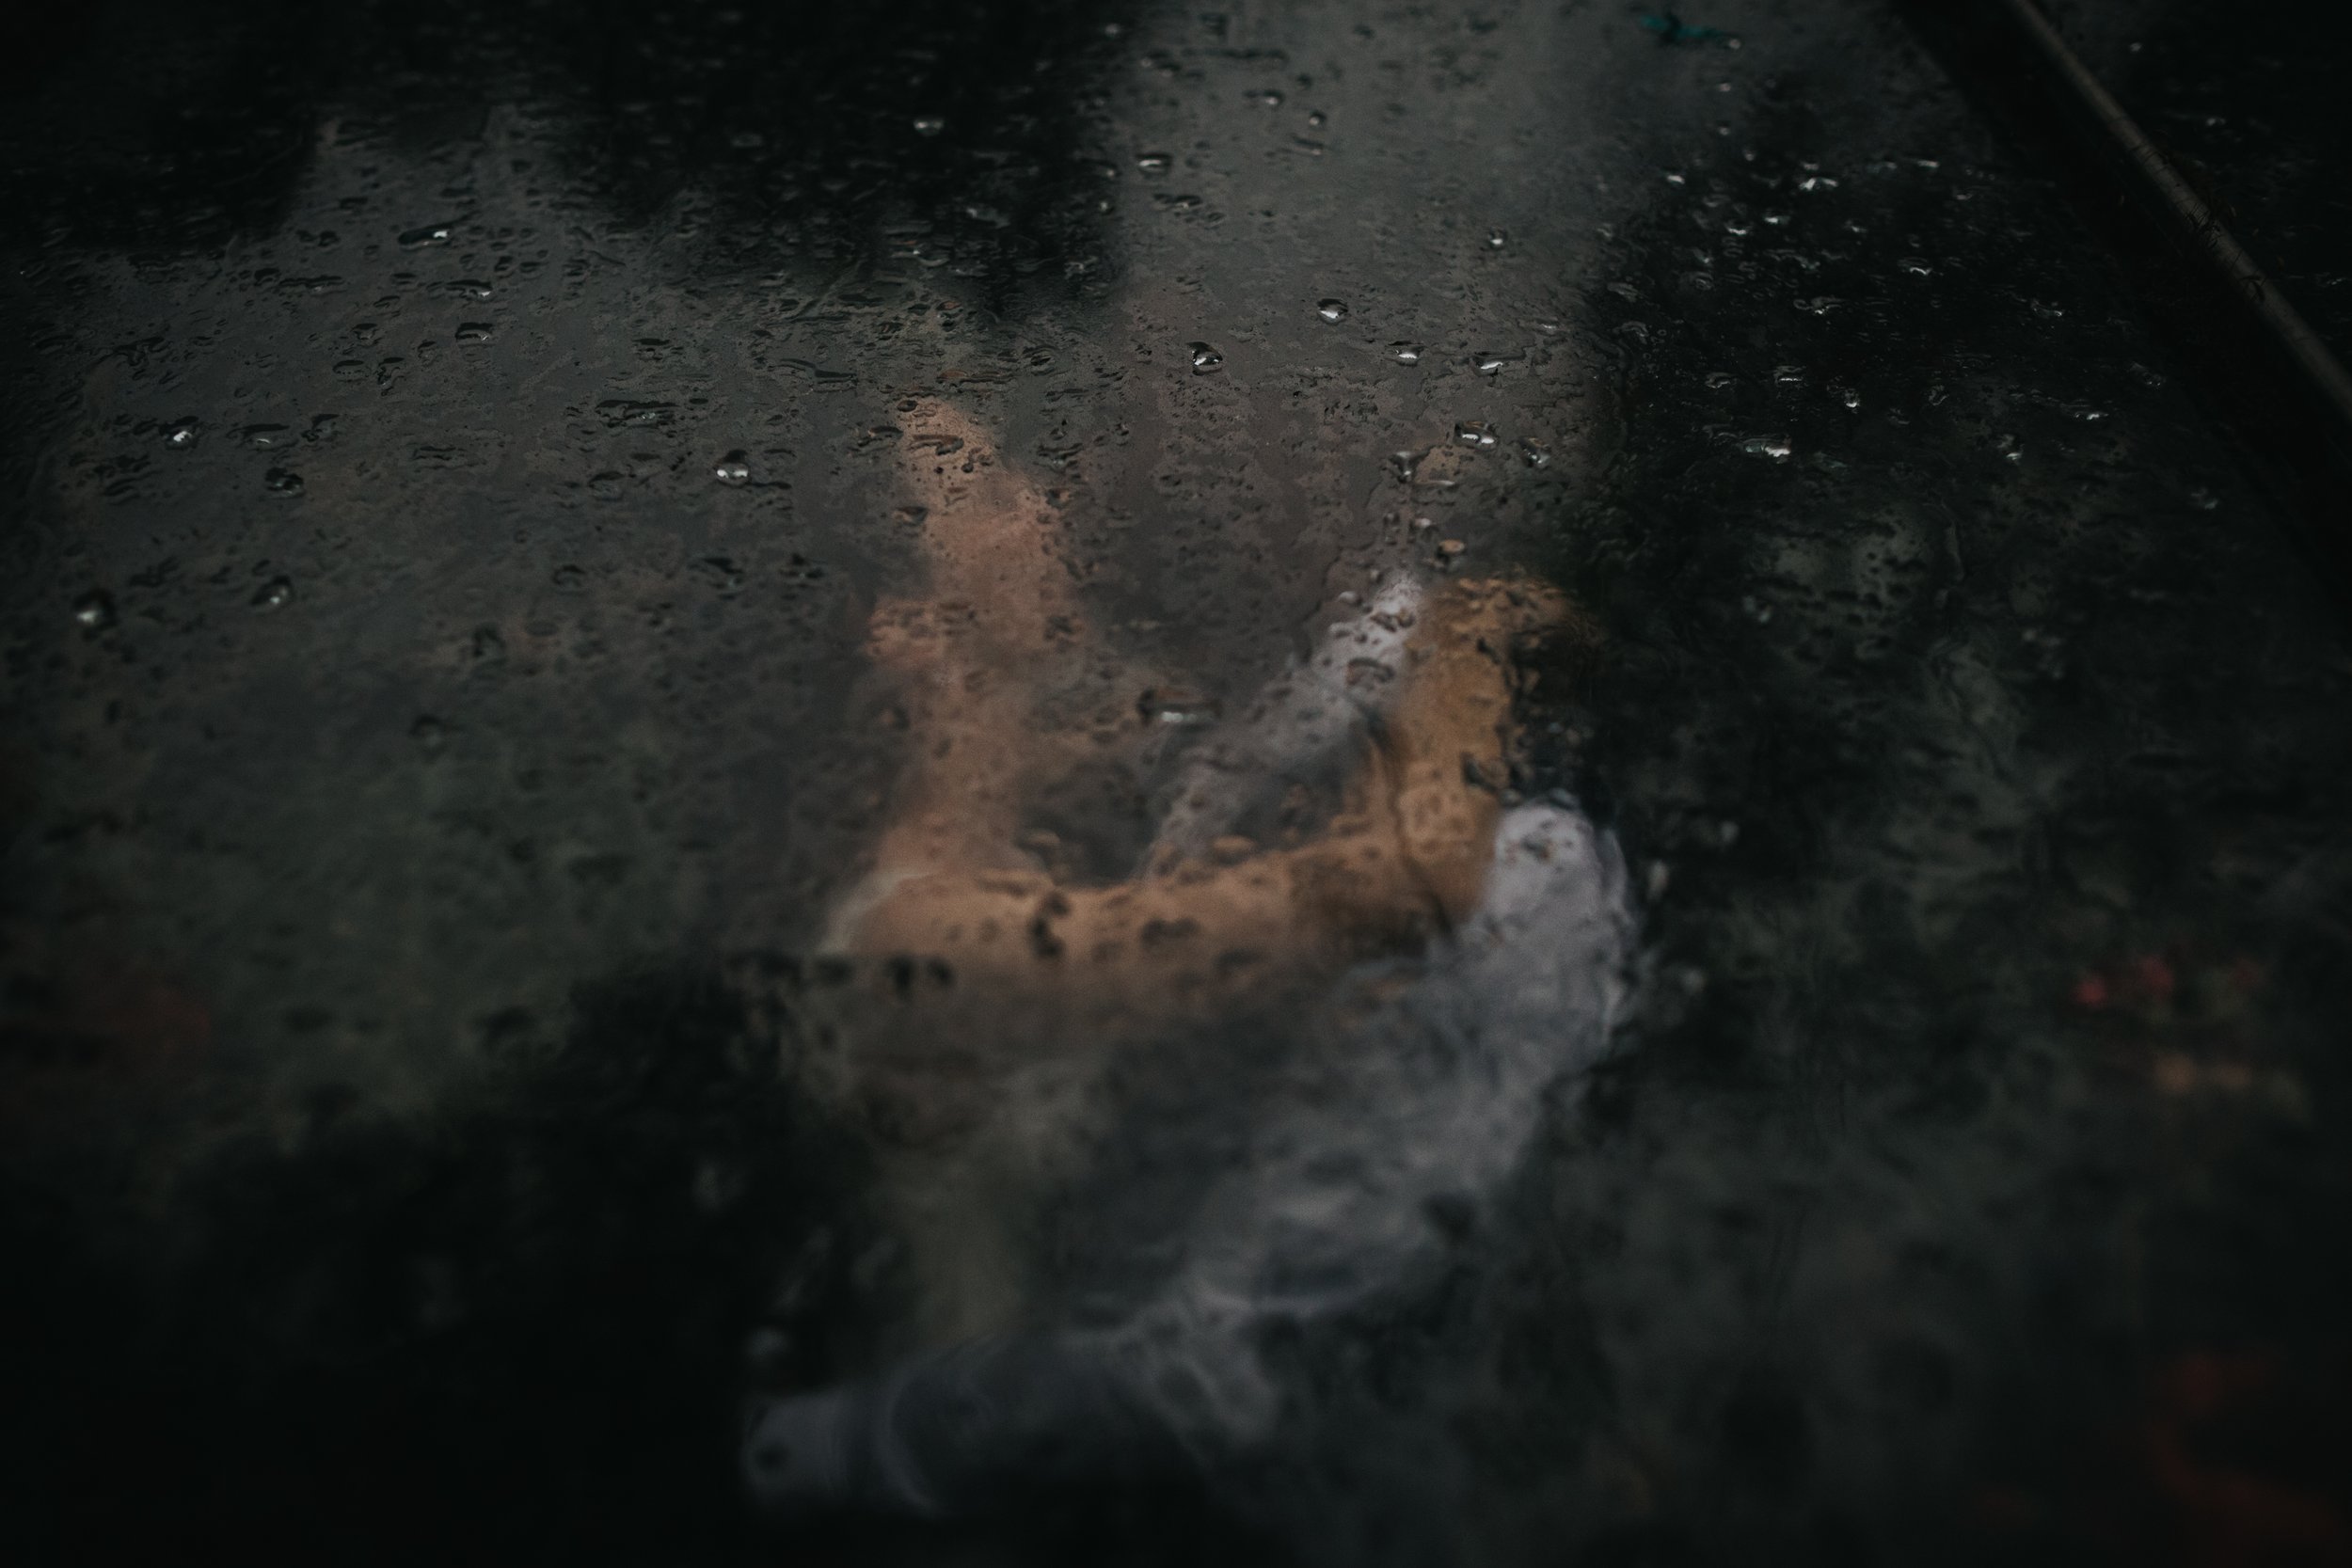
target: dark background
389 1167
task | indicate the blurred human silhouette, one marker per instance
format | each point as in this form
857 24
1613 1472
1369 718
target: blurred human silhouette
1051 971
1434 956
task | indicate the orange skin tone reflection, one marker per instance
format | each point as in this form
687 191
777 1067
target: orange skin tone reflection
1046 974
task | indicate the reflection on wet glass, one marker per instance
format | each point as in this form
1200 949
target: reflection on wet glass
1379 994
924 714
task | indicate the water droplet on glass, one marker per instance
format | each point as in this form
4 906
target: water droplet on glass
273 594
95 609
1406 353
1774 447
282 482
1331 309
1206 360
1474 433
721 572
1176 705
626 411
734 469
929 125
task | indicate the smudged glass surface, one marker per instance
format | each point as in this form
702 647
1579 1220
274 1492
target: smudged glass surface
1324 783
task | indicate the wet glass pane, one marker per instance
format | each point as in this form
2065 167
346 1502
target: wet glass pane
973 783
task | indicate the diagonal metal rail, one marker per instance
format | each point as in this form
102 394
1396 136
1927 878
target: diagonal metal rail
2290 397
2191 217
